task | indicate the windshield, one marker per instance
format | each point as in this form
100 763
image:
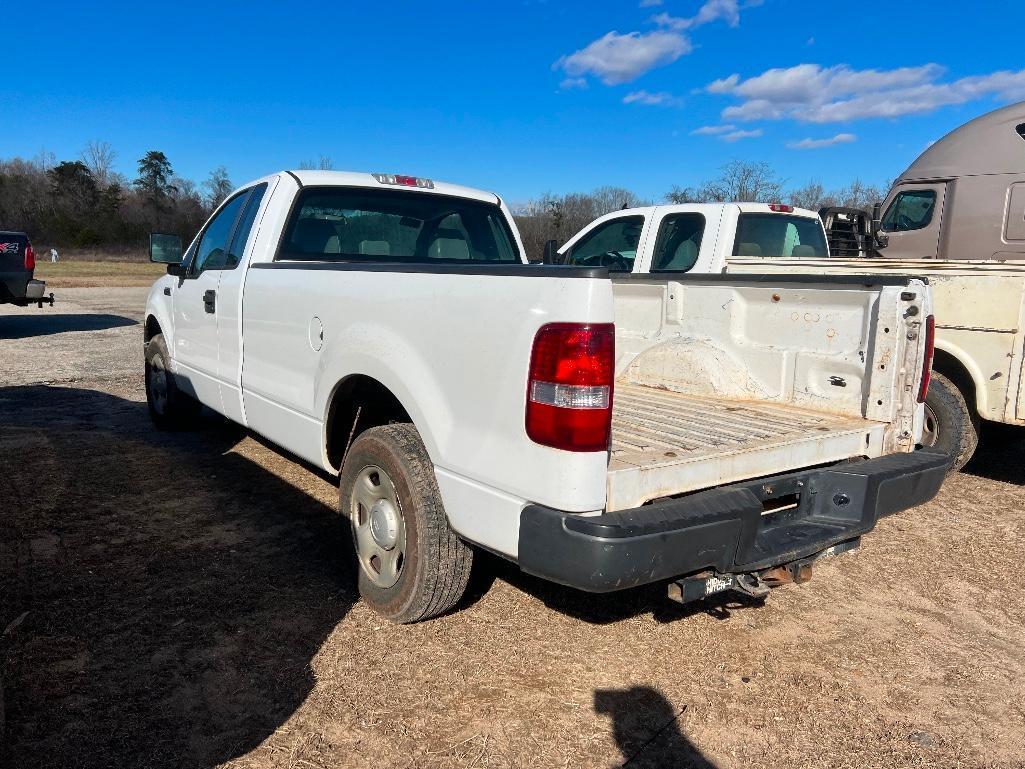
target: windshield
779 235
354 224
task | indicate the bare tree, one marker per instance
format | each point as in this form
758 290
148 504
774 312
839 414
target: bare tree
812 196
609 199
218 186
99 158
860 195
740 180
323 164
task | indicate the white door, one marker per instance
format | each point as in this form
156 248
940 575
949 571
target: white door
195 307
229 304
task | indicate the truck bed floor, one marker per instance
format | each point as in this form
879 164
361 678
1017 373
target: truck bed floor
667 443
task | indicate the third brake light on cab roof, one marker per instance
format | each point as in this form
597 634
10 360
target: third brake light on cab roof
405 181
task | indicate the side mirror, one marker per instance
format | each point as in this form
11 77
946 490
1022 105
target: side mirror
551 253
881 241
165 249
177 270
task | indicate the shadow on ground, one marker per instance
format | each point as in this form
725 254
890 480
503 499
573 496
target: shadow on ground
601 608
647 730
1001 454
43 323
175 591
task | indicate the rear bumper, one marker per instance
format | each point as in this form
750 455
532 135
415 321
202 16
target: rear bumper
726 529
25 293
20 288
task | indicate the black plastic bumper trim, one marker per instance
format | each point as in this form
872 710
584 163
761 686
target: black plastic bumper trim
724 529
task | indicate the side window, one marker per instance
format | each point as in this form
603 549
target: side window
911 210
245 226
678 242
212 252
612 245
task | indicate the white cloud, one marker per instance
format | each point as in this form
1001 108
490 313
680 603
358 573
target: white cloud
713 130
659 99
617 58
573 82
736 136
712 10
814 94
815 144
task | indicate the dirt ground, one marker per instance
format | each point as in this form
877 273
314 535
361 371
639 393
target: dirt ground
184 600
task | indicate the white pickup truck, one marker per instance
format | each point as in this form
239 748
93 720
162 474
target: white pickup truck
710 433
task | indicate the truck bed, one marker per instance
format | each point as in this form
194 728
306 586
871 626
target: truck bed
667 443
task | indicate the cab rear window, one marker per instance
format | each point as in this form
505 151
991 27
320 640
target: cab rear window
367 225
778 235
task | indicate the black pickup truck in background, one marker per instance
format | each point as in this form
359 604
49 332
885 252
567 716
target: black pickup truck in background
17 266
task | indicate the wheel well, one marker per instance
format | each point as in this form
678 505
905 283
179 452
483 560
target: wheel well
954 370
359 403
152 328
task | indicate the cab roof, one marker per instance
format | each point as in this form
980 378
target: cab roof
991 144
361 179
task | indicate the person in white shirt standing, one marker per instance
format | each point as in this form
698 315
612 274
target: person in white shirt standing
54 256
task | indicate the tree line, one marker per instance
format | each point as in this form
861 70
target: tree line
85 204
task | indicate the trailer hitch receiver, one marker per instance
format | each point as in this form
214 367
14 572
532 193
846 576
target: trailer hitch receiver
755 584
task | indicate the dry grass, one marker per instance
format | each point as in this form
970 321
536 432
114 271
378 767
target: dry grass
77 273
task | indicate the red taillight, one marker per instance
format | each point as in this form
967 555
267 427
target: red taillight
30 257
780 208
930 349
569 390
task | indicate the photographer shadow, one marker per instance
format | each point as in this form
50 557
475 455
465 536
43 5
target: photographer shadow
646 727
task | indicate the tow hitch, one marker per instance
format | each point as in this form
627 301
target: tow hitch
755 584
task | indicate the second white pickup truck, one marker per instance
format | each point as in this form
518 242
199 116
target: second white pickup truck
713 432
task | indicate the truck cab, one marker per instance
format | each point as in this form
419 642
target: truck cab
964 197
695 238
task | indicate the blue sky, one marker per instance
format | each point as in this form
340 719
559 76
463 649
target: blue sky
521 98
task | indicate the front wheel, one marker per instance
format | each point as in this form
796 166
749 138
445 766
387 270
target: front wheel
169 407
950 424
412 566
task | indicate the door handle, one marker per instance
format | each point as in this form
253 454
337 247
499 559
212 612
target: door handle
210 300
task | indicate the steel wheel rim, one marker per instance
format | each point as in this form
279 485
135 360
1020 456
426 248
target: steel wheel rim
157 382
378 528
930 430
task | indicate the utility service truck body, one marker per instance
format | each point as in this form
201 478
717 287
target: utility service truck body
600 432
979 304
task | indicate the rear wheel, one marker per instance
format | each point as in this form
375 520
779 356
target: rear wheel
412 566
169 407
950 424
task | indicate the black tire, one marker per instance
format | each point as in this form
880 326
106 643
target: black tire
434 566
950 424
169 407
